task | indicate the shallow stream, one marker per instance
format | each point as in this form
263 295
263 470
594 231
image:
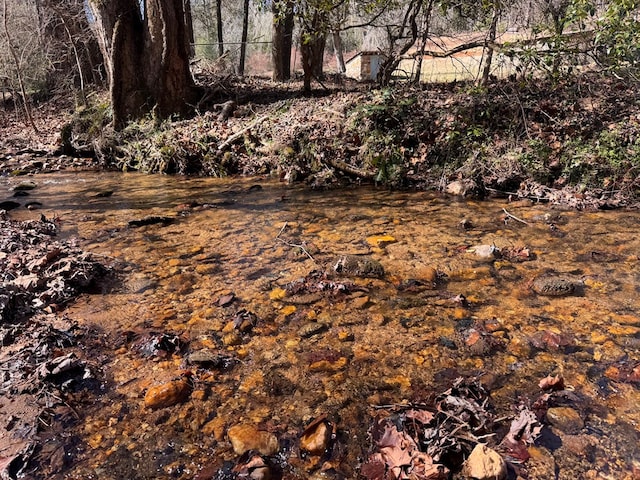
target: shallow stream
211 276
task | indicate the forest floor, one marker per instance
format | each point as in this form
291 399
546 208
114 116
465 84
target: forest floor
574 142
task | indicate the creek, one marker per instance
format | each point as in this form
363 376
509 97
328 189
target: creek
213 275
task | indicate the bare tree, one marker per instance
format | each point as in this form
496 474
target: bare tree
243 41
17 65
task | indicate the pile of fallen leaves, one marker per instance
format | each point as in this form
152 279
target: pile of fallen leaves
39 273
432 441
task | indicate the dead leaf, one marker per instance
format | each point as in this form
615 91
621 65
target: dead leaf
552 383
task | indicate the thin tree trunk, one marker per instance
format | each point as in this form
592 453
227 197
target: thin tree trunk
486 72
188 22
423 42
337 50
18 68
219 27
245 33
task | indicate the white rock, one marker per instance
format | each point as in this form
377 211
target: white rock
485 464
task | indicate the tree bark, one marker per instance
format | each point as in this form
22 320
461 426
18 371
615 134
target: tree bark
149 58
491 38
312 43
338 51
188 21
282 40
219 27
423 42
243 41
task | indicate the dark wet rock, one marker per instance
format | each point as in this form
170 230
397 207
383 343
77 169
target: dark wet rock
211 359
21 193
556 286
358 266
565 419
9 205
150 220
312 328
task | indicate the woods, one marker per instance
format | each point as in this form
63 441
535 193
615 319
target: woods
145 49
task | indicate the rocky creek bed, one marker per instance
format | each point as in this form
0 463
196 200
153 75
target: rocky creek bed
275 333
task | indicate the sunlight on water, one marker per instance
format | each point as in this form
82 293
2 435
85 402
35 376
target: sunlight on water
213 279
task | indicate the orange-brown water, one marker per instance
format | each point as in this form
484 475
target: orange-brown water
339 354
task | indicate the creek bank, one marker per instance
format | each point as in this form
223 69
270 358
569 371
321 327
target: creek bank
578 150
50 366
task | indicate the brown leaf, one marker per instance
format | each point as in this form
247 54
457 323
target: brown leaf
425 417
552 383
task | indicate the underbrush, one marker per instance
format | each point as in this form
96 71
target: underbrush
583 132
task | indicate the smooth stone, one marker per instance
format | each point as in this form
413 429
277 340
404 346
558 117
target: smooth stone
247 437
25 186
565 419
167 394
485 463
316 438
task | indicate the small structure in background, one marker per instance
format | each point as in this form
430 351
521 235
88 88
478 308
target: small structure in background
364 66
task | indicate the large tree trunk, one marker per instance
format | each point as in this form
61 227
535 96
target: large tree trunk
282 41
243 41
149 59
312 43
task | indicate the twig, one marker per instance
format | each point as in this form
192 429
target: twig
514 217
224 145
293 245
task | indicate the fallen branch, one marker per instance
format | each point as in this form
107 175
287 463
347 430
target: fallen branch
349 169
233 138
514 217
293 245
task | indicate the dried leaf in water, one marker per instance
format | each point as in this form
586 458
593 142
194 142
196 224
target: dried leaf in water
552 383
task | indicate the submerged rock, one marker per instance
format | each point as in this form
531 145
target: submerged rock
168 394
556 286
353 265
247 437
565 419
485 464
